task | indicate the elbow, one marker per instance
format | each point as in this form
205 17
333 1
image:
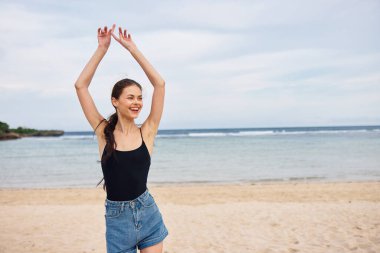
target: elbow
161 84
77 86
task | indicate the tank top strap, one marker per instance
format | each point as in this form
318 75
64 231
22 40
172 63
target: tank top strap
141 135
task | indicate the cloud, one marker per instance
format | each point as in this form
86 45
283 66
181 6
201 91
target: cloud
225 63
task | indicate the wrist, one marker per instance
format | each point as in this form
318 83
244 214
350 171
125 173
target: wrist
133 49
102 49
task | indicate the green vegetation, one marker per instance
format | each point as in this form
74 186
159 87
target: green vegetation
21 130
14 133
4 128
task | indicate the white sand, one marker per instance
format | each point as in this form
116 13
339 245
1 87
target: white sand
267 217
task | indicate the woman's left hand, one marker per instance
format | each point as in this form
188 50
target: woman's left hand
125 39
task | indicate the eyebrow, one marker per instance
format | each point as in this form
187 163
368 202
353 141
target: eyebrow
133 95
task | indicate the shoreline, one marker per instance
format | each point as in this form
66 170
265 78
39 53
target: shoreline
193 194
216 183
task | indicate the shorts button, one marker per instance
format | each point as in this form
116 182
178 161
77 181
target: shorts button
132 204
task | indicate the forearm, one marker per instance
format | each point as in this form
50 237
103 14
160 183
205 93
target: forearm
153 76
88 72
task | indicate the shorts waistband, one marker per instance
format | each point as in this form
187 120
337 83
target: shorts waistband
126 202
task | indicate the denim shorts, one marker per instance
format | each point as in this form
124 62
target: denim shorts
133 224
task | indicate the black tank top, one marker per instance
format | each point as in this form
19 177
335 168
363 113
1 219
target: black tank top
126 173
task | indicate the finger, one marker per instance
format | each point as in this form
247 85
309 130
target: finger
125 33
99 30
120 34
105 29
113 28
129 36
110 31
114 36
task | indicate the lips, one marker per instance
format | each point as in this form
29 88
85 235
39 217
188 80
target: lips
134 109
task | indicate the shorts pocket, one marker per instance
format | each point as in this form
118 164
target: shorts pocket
112 211
148 201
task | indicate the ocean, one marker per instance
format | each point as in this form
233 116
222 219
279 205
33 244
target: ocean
342 153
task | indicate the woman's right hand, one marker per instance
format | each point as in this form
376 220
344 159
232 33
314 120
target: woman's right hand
104 36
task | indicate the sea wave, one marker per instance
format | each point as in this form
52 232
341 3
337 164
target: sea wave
235 132
77 137
263 133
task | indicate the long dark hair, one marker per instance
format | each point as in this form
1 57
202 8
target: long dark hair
112 120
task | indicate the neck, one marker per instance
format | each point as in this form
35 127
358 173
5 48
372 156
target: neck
125 125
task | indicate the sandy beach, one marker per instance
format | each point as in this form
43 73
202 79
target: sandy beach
249 217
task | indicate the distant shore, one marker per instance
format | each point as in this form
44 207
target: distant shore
7 133
42 133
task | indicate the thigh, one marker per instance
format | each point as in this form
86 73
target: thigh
157 248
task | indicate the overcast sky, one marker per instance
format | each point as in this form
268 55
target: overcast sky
225 63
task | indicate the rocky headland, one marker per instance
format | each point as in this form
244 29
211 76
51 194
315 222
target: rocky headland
7 133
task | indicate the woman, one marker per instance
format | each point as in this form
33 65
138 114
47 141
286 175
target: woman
133 220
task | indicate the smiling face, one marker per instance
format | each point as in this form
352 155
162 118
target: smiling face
130 102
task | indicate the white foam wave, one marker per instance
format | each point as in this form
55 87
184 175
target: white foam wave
251 133
237 133
171 135
266 132
206 134
78 137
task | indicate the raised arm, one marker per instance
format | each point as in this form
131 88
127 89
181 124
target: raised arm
154 77
84 79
